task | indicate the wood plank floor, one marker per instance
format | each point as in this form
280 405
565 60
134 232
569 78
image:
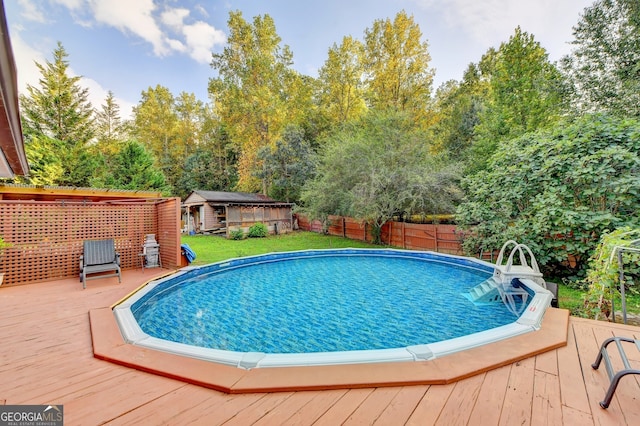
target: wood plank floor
46 357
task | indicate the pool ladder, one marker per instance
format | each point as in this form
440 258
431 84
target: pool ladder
505 283
506 273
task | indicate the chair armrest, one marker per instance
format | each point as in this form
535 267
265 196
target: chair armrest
117 258
81 262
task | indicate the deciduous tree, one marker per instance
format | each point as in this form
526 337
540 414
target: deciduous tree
525 94
288 165
340 82
154 125
378 166
396 67
251 92
604 65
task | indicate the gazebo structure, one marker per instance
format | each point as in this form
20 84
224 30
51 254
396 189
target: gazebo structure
46 226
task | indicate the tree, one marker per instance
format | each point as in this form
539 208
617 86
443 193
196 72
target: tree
133 168
57 119
457 107
251 93
525 93
45 163
376 167
396 64
287 166
190 116
154 125
604 66
111 130
340 81
59 109
556 190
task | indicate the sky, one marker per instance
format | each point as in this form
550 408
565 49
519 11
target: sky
127 46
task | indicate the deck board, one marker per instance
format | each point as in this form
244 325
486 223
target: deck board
518 399
428 410
47 357
460 403
546 407
490 400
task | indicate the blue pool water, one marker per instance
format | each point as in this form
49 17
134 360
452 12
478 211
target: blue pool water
340 302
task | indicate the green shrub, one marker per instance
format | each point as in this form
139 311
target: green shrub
258 230
603 275
557 191
237 234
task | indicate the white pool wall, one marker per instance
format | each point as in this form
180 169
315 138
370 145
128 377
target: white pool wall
530 320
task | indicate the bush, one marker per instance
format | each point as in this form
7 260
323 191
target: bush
258 230
557 191
237 234
603 275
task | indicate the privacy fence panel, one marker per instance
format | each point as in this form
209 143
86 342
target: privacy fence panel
416 236
46 238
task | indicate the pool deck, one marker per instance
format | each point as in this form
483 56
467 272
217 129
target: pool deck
47 357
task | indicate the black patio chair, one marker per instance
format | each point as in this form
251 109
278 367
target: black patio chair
99 256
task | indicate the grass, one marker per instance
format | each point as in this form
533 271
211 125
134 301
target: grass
570 298
210 249
573 300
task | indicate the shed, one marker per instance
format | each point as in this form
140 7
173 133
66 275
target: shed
223 212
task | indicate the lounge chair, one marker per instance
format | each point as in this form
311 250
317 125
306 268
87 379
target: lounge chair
99 256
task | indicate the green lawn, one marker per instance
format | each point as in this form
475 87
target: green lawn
573 299
209 249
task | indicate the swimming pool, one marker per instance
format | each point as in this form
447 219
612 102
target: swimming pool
286 309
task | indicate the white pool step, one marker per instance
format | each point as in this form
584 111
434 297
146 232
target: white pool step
485 292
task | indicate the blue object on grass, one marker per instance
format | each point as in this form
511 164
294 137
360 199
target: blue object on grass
189 254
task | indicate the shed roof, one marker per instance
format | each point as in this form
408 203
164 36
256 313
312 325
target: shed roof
222 197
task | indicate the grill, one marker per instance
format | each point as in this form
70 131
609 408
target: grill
151 252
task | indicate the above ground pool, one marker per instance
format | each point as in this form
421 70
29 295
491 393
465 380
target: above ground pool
321 307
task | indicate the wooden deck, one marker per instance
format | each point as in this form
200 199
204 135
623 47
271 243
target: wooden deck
46 357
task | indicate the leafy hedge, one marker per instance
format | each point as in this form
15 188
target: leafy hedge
557 191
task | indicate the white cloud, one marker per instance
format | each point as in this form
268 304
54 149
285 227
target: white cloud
98 94
25 58
168 31
30 11
70 4
201 39
132 16
200 9
174 18
491 22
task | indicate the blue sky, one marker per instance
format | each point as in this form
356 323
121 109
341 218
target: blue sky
127 46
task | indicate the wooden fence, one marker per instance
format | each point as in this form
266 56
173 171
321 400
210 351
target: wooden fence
46 237
416 236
